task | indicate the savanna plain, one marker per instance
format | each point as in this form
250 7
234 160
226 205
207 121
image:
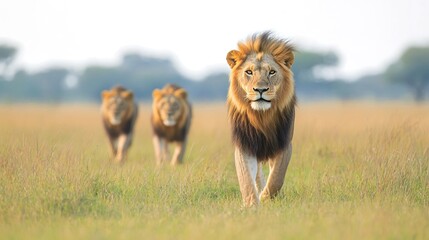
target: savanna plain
359 170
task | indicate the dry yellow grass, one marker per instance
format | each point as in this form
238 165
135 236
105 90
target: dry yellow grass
358 171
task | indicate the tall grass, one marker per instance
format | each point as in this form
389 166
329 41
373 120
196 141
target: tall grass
358 171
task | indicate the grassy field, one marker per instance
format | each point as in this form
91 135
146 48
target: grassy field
358 171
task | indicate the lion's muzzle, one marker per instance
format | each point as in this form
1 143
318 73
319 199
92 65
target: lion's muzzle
261 103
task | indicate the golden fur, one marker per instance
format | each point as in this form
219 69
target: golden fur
171 120
119 113
261 109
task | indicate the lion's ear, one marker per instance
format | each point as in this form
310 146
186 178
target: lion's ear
156 93
181 93
290 59
233 57
105 94
128 95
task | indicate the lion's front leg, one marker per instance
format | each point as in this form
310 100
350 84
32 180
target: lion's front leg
124 141
113 145
260 179
247 167
179 151
161 149
278 167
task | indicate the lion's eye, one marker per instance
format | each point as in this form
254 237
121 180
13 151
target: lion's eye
272 72
249 72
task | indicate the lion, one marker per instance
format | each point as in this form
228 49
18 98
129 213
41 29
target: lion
171 120
119 114
261 110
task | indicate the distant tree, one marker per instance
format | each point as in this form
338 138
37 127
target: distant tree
45 85
212 87
306 62
139 73
7 55
95 79
21 88
412 69
50 83
136 62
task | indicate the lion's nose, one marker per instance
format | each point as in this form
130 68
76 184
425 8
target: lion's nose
260 90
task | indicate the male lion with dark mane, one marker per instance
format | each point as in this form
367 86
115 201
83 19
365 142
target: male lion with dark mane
261 110
119 114
171 120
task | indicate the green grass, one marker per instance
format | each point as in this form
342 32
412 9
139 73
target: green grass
358 171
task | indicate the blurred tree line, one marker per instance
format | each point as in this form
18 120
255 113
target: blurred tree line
412 69
142 74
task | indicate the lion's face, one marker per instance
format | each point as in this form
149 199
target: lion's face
259 80
169 109
260 77
169 105
116 105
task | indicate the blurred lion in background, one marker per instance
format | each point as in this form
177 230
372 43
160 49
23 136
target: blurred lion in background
261 110
171 120
119 114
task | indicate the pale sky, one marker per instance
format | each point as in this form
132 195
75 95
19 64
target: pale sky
366 34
